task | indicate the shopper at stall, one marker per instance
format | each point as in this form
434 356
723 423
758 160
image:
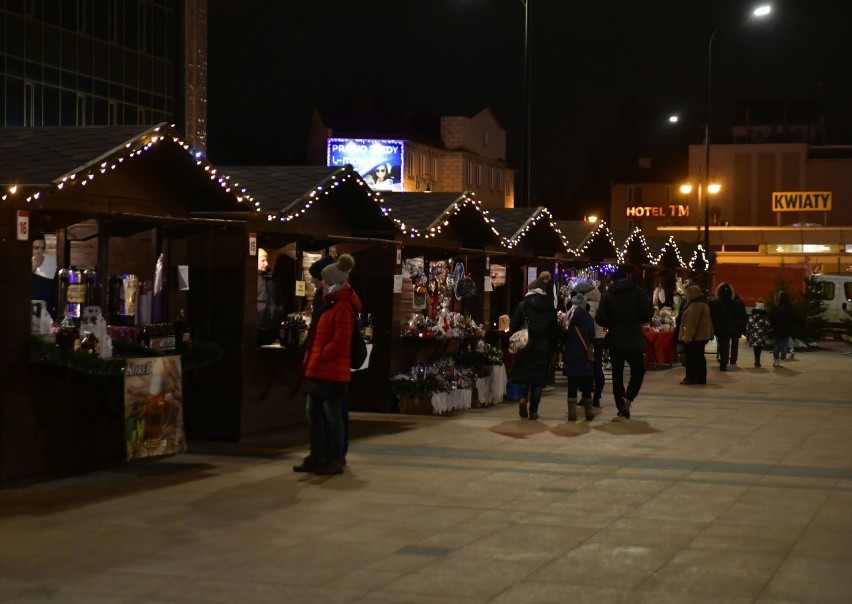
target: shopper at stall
782 328
624 308
696 330
270 301
758 330
578 334
326 368
531 368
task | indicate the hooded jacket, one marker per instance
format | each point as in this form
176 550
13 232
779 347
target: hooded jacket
593 297
723 312
623 309
696 325
533 365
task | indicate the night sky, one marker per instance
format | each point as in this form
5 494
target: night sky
605 75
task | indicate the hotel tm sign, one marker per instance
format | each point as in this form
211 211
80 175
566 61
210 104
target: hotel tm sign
801 201
660 211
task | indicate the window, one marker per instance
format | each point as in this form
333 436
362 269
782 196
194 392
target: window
634 194
499 180
485 138
142 30
479 175
82 101
469 172
113 113
29 104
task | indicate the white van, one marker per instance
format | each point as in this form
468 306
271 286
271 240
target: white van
836 295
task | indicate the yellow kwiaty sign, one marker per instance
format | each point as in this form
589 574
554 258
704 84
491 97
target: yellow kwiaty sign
801 201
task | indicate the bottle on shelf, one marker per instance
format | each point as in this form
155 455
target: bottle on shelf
89 342
68 336
183 335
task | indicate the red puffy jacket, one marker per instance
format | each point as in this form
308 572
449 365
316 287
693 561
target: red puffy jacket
329 350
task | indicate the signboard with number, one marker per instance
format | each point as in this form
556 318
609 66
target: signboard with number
23 229
252 244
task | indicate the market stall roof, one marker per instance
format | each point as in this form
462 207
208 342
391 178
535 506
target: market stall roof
457 217
315 199
39 161
595 245
532 229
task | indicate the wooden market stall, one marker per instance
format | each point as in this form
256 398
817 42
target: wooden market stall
116 200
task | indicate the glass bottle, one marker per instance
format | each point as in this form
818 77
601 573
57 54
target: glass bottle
68 337
183 335
90 343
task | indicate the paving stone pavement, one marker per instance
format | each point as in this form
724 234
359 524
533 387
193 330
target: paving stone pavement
739 491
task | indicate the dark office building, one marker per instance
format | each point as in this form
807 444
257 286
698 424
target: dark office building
104 62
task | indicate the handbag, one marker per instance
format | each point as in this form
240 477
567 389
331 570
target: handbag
520 340
590 350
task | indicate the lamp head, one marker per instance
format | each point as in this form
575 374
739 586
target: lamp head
762 11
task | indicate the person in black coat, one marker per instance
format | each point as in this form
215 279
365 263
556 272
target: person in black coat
578 335
782 328
740 321
531 368
724 317
624 308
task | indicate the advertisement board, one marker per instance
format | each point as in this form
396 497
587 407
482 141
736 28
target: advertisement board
378 161
153 407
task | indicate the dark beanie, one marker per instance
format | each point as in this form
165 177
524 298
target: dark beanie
316 268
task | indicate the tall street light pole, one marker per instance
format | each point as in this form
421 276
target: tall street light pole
525 158
761 11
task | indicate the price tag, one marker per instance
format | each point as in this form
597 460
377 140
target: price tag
252 244
23 229
300 288
399 255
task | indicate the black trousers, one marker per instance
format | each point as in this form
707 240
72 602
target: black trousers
696 364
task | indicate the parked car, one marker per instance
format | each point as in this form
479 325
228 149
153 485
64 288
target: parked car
836 296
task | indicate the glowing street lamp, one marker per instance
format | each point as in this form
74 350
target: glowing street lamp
759 12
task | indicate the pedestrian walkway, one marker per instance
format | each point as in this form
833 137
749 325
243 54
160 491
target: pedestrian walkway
739 491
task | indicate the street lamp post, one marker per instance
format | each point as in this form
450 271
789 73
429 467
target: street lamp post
525 158
761 11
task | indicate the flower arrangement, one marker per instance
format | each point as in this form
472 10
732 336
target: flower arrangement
405 385
446 325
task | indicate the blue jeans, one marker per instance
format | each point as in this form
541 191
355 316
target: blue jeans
532 394
326 422
779 347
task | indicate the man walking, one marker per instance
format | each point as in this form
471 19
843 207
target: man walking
622 311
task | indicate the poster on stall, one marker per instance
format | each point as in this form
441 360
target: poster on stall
153 407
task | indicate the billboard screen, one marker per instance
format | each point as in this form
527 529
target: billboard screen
378 161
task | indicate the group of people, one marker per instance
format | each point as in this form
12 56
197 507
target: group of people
613 320
594 321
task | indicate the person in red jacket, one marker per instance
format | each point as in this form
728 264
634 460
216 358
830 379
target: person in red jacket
326 369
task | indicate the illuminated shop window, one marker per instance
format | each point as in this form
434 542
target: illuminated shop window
807 248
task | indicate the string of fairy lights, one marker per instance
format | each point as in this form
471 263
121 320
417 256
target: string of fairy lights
540 216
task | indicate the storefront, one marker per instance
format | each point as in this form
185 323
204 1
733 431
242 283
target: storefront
115 203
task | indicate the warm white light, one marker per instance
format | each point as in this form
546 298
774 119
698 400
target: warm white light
686 189
713 188
591 218
762 11
674 119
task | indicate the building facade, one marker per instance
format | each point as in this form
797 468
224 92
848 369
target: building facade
470 156
104 62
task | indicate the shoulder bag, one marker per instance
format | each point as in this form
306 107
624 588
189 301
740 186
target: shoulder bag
590 350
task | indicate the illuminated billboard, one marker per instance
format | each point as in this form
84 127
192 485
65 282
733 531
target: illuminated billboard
378 161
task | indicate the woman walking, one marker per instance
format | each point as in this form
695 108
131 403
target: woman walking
782 328
758 329
577 337
531 368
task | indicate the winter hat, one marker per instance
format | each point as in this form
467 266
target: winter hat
338 272
760 306
540 282
579 300
584 287
316 268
